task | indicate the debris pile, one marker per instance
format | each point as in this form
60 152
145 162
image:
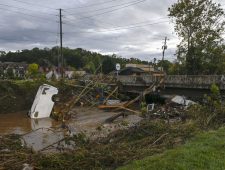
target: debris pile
174 109
145 139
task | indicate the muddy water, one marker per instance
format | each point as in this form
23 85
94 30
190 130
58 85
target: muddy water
20 123
16 123
36 133
41 133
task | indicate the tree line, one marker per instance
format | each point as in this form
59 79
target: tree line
78 59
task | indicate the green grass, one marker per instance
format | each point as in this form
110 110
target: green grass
205 151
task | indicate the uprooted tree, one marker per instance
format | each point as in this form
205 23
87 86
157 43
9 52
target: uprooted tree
199 24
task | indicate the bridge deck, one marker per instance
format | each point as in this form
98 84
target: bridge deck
176 81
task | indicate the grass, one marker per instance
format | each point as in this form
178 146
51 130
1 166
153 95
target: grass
205 151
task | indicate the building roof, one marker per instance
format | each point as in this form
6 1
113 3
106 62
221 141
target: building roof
131 70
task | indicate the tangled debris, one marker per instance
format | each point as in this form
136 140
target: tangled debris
145 139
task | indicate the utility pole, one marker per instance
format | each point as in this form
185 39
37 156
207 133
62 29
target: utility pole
61 44
164 48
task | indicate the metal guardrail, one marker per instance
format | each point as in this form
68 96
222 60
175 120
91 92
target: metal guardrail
176 81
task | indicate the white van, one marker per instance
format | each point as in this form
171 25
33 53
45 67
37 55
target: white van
43 104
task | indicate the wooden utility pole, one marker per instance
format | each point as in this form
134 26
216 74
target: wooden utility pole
164 47
61 43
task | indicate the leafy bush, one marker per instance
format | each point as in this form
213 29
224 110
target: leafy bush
211 113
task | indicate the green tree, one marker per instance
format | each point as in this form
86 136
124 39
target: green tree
2 53
165 64
33 69
90 67
108 65
200 24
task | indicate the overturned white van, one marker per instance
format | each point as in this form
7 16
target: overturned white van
43 104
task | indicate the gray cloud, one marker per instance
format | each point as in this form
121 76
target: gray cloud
36 26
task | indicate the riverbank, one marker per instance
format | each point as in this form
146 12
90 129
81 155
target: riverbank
16 96
205 151
117 149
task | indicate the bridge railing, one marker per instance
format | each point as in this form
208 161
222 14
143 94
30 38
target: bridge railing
177 81
194 81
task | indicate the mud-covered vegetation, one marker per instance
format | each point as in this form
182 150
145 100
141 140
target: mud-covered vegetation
145 139
17 95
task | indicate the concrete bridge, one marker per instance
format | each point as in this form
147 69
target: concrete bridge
175 81
188 85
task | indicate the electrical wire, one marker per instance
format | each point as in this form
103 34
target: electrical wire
116 29
113 42
45 13
134 24
42 18
110 11
139 1
91 5
109 7
33 4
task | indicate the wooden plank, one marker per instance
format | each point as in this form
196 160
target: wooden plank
107 98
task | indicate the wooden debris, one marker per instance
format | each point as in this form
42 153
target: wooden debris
160 138
111 119
107 98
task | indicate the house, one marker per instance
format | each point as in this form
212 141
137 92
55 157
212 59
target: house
131 71
146 68
13 70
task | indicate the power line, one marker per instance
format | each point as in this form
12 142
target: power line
69 20
27 14
91 5
25 9
86 17
121 28
137 2
133 24
33 4
109 7
113 42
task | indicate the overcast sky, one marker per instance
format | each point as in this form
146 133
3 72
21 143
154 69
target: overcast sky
128 28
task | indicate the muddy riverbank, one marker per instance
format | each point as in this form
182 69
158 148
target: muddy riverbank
16 96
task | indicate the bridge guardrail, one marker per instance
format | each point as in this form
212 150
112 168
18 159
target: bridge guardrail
176 81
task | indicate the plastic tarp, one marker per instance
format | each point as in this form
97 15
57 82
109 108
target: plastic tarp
182 101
